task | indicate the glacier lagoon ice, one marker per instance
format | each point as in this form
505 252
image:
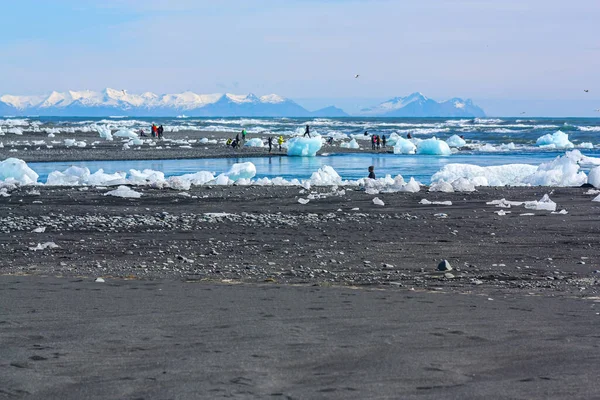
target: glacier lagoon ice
353 144
433 146
304 147
557 140
15 170
254 142
350 169
404 146
456 141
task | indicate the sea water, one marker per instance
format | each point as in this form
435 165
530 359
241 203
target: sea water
484 135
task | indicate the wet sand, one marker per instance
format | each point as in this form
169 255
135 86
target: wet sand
72 338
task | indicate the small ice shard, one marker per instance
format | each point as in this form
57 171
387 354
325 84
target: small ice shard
99 280
303 201
502 212
43 246
378 201
441 215
41 229
441 203
125 192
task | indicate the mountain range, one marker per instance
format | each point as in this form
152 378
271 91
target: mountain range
111 102
417 105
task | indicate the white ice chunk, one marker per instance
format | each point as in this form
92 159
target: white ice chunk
245 170
441 203
378 202
104 131
325 176
254 142
404 146
303 201
125 192
463 185
17 170
353 144
126 133
44 246
594 177
545 204
441 186
456 141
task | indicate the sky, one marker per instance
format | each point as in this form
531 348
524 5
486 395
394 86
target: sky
508 56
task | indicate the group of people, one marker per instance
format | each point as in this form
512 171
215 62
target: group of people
377 142
155 131
239 141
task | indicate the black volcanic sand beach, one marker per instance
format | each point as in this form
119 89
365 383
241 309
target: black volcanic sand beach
244 292
29 147
75 339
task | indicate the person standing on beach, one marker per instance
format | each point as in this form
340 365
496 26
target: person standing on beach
153 130
383 141
270 141
372 172
160 132
378 142
373 141
243 136
280 141
237 138
307 131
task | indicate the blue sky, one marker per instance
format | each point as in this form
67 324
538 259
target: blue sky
506 55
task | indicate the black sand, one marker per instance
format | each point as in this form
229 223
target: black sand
73 339
284 300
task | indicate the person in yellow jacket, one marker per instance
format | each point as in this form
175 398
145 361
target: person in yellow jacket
280 141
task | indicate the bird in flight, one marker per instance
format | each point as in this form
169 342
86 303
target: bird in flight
356 76
124 91
586 90
598 110
522 112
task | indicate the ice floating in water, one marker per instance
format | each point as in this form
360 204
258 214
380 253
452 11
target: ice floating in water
303 201
13 169
304 147
254 142
557 140
404 146
125 192
353 144
433 146
456 141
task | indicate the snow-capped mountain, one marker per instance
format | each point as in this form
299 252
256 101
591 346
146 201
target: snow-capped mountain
111 102
417 105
